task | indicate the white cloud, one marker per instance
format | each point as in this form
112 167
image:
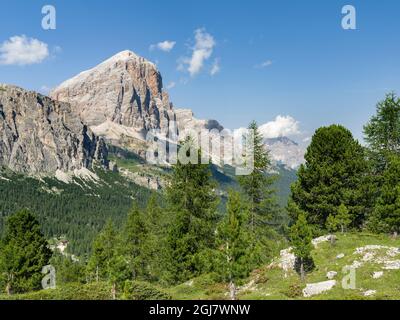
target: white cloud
171 85
202 51
165 46
280 127
264 64
20 50
215 68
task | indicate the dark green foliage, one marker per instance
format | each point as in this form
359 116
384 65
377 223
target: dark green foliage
386 214
300 238
191 203
258 185
134 244
68 270
334 174
77 210
340 221
137 290
105 246
264 212
234 242
382 133
24 251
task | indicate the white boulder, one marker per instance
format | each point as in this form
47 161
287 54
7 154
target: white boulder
313 289
369 293
340 256
331 275
377 275
322 239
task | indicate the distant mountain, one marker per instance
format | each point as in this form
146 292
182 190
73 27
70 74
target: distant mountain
285 151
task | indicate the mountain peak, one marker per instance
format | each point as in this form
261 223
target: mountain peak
126 89
127 55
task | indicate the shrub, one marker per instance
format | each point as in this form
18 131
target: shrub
138 290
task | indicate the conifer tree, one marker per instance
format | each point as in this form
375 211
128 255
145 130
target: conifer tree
341 220
386 214
233 240
156 224
104 250
24 251
260 195
258 185
300 237
334 174
191 203
382 133
134 237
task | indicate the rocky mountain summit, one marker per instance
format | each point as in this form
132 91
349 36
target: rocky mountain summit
122 96
285 151
40 135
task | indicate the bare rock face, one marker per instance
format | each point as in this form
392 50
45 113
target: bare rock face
185 120
285 151
313 289
39 135
125 90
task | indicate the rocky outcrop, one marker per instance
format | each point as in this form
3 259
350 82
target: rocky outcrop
185 120
122 99
39 135
122 95
314 289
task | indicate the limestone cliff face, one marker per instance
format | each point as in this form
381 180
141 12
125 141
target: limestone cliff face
122 95
39 135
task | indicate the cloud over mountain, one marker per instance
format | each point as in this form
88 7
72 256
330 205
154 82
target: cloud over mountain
282 126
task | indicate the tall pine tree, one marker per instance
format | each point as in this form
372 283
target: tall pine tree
386 214
24 251
382 133
260 195
300 238
192 203
234 244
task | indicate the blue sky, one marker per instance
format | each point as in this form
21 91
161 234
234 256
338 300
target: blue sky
286 57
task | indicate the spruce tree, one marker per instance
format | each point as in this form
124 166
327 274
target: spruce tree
258 185
382 133
339 221
260 195
334 174
134 237
191 203
300 238
104 250
156 224
233 240
386 214
24 251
